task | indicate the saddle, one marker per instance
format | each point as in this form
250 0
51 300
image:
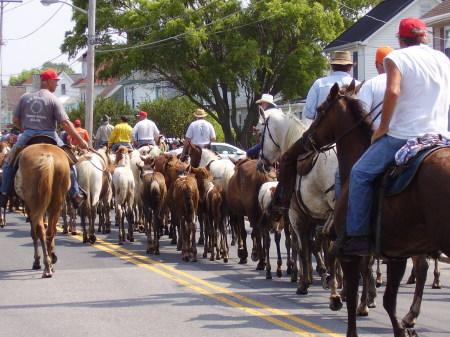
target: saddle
394 181
306 162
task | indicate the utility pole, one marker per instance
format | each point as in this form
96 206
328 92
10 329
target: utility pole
2 5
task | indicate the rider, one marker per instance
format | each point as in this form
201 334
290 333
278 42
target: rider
200 132
121 135
103 132
268 106
341 65
145 131
37 113
415 103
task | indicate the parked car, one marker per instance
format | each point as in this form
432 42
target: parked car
228 151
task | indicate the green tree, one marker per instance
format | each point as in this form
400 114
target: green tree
26 74
173 116
218 52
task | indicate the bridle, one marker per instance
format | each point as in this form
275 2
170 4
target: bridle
310 143
264 164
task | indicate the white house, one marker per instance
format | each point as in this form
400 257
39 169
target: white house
375 29
439 19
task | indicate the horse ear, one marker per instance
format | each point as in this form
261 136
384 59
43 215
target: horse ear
351 88
358 87
334 90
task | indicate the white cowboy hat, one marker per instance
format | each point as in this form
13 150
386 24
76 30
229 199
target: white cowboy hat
200 113
265 98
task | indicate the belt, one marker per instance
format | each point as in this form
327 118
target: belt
205 146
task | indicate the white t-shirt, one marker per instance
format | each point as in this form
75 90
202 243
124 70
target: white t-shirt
144 130
200 132
425 92
372 94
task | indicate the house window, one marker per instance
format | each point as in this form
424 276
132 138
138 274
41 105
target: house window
63 89
240 119
157 89
355 68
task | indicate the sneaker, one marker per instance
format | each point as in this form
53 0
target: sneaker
77 199
354 245
3 200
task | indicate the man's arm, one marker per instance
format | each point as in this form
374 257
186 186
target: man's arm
70 129
394 80
309 110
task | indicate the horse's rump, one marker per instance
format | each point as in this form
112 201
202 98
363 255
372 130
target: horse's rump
424 224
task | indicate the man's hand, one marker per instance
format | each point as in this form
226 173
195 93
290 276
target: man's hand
380 132
83 144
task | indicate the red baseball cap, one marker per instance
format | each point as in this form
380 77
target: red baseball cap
49 74
77 122
141 114
411 27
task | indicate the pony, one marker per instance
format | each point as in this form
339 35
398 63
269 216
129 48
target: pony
124 189
413 222
313 201
42 182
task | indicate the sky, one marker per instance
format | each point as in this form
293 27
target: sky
32 35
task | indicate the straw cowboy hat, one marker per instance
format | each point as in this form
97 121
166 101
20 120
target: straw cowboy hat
200 113
341 57
265 98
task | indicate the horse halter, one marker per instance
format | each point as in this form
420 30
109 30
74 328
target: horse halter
310 143
263 163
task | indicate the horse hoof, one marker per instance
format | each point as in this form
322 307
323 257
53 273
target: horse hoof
201 241
92 239
36 266
372 305
47 275
279 273
268 276
301 291
173 241
65 231
411 333
436 286
378 284
336 304
254 257
243 261
225 260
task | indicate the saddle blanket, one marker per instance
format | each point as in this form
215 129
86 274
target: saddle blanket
416 145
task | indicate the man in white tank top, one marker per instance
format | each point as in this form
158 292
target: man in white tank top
416 102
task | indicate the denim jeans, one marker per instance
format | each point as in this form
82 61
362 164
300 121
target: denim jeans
115 146
8 170
101 144
373 163
142 142
253 152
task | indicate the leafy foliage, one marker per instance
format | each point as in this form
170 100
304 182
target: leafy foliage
219 54
26 74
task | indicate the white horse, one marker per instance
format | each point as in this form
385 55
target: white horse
124 189
313 201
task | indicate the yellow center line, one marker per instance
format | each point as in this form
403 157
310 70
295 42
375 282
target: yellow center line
156 266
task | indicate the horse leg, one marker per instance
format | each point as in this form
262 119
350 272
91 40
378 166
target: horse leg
379 281
305 279
224 241
37 255
437 275
412 276
267 248
420 271
148 219
366 273
130 220
242 241
92 217
295 254
288 244
65 226
201 238
46 258
83 221
119 221
395 272
50 235
277 237
317 252
193 248
351 267
331 281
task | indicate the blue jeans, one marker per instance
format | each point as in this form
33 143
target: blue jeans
101 144
142 142
115 146
8 170
373 163
253 152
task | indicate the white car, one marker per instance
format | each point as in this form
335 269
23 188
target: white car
228 151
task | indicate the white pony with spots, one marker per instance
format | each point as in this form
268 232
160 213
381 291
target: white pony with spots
314 196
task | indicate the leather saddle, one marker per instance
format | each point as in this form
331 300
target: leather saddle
306 162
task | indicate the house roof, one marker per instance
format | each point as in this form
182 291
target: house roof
370 23
11 96
442 8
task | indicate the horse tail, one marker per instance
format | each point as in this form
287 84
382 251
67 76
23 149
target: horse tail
189 203
155 194
45 168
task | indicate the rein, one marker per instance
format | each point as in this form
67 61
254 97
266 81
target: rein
331 145
263 163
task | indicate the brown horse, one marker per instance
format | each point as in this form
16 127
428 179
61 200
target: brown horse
413 222
42 182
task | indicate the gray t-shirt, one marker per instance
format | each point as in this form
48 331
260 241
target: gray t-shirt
40 110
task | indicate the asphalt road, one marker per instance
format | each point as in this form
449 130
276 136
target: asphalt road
110 290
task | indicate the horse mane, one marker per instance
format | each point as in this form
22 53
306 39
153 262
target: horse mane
207 156
359 113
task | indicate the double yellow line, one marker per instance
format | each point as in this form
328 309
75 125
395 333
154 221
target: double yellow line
253 307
